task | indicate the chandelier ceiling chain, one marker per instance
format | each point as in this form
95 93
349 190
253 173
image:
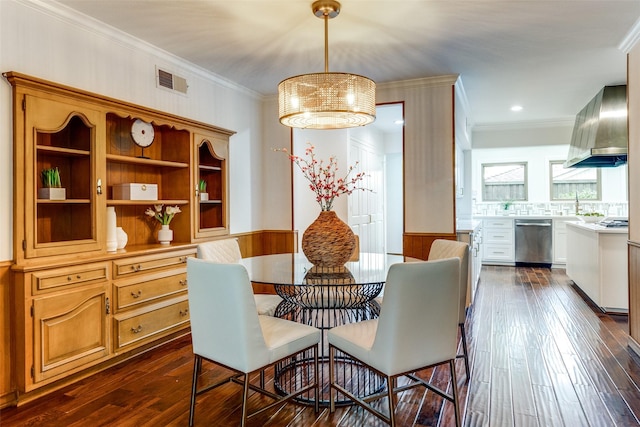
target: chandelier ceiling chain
326 100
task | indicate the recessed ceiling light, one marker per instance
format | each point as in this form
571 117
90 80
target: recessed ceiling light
516 108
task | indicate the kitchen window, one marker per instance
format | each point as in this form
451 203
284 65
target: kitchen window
504 182
569 183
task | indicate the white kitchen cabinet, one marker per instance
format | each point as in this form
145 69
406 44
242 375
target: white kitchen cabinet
497 238
476 259
472 234
560 240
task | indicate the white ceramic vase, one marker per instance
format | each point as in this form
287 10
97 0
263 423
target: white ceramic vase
165 235
112 237
122 236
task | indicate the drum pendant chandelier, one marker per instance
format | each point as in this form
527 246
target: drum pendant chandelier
326 100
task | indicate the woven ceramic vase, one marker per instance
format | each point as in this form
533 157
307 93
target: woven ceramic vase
328 242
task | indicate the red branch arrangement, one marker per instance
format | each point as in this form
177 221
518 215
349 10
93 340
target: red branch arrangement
322 178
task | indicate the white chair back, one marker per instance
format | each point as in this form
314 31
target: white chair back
418 321
224 319
442 249
220 251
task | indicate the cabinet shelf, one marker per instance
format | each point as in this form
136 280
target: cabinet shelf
210 168
141 161
65 201
145 202
210 202
61 150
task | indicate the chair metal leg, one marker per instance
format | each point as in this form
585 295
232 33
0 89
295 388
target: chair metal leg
332 391
245 398
197 365
454 391
391 382
465 354
316 379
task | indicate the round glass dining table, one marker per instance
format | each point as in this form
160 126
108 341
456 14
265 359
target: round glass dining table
325 298
302 284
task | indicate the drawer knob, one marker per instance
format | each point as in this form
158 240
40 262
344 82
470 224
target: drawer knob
183 282
136 294
137 330
184 312
183 259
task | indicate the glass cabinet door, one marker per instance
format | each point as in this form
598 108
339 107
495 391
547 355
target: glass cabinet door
62 181
211 185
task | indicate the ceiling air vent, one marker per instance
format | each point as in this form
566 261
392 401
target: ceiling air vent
171 81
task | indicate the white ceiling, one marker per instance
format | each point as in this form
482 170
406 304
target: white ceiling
550 56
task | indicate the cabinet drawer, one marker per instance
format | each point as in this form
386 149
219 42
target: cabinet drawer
129 266
130 293
497 223
498 236
153 322
69 276
502 253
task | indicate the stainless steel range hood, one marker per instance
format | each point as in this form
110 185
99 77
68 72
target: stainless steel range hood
600 135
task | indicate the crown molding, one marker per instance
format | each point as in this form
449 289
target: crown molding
436 81
631 39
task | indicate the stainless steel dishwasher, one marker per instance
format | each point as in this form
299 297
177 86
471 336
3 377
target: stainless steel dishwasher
533 241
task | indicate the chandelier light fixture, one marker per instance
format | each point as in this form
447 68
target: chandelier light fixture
326 100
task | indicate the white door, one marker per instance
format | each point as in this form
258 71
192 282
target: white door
366 208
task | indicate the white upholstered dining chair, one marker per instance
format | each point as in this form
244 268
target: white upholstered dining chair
227 330
228 251
442 249
417 328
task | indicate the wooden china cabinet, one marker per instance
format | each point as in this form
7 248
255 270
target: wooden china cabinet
79 308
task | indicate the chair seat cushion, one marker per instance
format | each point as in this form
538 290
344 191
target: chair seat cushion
355 338
284 337
267 303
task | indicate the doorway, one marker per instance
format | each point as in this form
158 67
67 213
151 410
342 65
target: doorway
376 216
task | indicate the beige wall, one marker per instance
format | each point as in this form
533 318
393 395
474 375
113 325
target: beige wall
429 177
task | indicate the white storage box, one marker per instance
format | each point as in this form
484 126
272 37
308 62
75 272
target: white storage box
135 191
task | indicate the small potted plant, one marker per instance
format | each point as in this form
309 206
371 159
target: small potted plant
202 187
51 185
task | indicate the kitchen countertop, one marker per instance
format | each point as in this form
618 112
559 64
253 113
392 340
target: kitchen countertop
566 217
467 225
598 228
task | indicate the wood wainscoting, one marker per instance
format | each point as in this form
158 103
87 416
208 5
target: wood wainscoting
417 245
267 242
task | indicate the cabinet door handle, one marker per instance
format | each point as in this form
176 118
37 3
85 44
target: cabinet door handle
137 330
136 295
107 306
99 186
185 312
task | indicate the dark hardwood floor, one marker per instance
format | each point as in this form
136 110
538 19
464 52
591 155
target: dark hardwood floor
540 354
